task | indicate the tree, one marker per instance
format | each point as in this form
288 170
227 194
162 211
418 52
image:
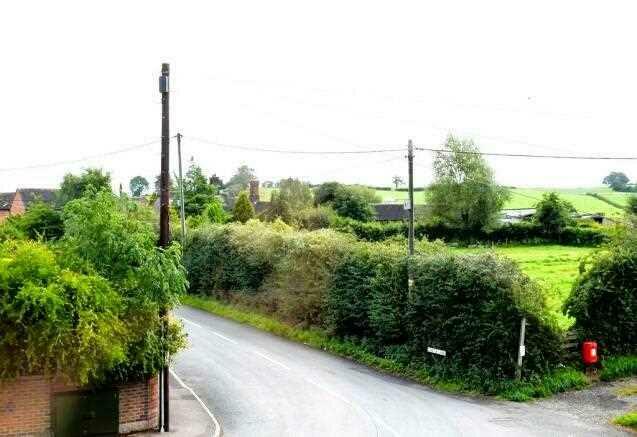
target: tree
354 202
553 213
243 209
214 211
397 180
138 185
241 179
289 200
198 193
216 182
631 205
617 181
324 193
74 187
464 193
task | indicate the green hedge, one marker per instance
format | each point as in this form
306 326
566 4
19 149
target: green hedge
604 298
469 305
522 232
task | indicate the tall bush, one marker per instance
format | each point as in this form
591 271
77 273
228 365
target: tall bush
604 298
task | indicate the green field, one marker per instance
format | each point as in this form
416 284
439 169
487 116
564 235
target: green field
554 267
526 198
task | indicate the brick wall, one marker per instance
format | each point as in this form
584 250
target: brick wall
25 406
17 206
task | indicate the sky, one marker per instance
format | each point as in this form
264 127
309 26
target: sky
79 85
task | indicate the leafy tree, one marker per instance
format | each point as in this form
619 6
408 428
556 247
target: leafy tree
354 202
138 185
216 181
171 186
197 191
241 179
617 181
215 212
289 200
553 213
324 193
464 193
397 180
74 187
243 209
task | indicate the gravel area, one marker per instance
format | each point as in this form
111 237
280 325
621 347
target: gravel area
597 405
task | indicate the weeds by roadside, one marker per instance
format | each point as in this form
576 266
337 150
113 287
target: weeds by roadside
629 420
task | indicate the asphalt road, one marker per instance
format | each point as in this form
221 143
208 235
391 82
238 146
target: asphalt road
258 384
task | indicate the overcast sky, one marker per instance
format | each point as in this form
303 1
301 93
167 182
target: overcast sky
80 79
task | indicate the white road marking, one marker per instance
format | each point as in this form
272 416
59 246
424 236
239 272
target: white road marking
217 431
374 419
190 322
271 360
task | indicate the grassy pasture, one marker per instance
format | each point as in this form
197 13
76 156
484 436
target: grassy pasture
525 198
554 267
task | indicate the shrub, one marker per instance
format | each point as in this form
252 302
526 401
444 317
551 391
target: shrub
54 320
40 221
604 298
553 213
471 306
243 209
354 202
233 257
301 278
320 217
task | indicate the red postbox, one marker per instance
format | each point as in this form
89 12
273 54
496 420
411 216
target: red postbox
589 352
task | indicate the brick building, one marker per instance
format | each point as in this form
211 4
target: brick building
16 203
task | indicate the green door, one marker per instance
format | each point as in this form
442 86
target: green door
86 414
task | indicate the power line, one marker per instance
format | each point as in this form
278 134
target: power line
272 149
525 155
86 158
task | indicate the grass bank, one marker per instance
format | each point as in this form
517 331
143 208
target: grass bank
559 381
629 420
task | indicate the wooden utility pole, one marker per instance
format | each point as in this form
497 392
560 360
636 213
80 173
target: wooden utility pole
410 159
164 223
181 192
410 273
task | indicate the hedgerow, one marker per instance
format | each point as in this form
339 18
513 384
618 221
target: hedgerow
604 298
468 305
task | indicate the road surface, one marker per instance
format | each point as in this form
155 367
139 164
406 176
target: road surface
258 384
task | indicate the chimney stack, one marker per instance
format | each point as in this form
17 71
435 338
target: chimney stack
254 191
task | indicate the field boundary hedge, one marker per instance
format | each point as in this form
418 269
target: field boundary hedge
509 233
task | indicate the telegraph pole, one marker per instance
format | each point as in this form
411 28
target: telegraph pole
410 160
181 192
163 219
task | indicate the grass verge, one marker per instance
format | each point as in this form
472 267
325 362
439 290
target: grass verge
618 367
629 420
556 382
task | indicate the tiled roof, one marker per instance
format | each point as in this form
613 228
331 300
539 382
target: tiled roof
5 200
30 195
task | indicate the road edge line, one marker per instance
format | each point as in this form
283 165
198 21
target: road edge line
217 432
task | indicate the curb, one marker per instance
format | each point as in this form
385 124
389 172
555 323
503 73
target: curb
217 426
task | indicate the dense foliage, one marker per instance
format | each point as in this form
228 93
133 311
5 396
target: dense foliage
88 306
243 209
464 194
138 185
74 186
469 305
617 181
288 200
41 221
553 213
198 192
604 298
522 232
